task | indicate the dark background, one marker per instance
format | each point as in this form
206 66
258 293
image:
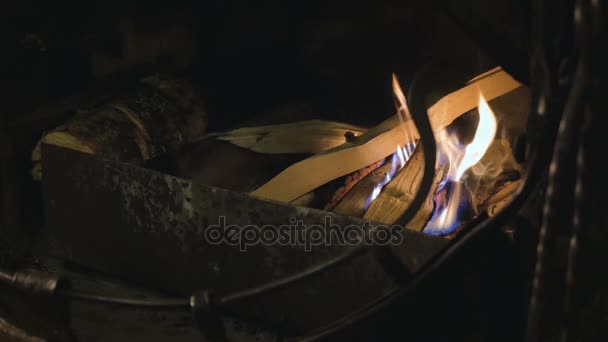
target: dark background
248 56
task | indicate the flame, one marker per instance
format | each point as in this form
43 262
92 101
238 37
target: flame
484 135
453 205
402 154
398 160
451 151
404 115
447 213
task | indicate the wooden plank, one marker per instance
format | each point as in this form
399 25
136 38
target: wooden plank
378 142
485 74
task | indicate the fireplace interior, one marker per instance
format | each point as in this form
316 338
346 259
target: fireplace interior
230 171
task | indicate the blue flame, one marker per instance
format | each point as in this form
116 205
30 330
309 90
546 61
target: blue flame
398 160
453 206
403 154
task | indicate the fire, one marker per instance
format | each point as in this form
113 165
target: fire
402 154
459 159
455 200
398 160
484 135
403 113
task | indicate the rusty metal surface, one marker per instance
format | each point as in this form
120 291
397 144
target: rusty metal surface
149 228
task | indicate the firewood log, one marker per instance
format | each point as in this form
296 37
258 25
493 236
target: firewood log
161 115
485 74
349 182
106 132
397 195
353 203
224 165
378 142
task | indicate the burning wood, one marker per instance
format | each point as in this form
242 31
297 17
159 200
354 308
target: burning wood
354 202
480 193
377 143
485 160
456 198
354 179
397 195
454 206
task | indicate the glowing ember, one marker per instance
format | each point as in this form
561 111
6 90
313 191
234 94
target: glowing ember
402 154
456 199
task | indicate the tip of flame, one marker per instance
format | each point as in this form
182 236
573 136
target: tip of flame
401 102
395 81
483 105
